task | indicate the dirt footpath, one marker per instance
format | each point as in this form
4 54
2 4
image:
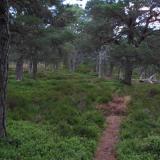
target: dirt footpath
114 112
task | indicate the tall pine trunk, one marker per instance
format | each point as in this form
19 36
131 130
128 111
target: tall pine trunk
128 72
72 62
55 66
19 68
30 66
110 70
4 46
34 68
100 72
102 64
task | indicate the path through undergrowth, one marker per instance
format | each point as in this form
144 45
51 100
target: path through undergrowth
114 112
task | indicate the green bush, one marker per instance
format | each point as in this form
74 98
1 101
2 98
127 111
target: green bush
30 141
140 133
54 117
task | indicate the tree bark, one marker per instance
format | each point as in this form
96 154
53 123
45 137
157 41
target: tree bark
102 63
120 75
30 67
4 47
19 69
34 69
128 72
110 71
56 66
45 66
100 66
72 62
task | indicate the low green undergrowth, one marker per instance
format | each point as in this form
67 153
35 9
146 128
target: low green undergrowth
54 117
140 133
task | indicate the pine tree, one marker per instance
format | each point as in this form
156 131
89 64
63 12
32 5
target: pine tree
4 46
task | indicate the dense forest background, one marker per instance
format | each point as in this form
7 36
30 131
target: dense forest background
61 60
107 37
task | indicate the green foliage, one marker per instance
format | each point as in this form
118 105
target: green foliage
28 20
54 117
47 24
37 142
56 37
140 138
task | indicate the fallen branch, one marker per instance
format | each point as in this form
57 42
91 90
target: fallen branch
152 80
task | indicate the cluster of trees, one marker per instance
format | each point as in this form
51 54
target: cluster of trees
129 30
112 35
41 31
36 31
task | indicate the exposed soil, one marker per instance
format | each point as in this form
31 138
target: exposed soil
114 112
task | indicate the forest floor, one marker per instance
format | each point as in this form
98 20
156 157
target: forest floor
55 116
114 113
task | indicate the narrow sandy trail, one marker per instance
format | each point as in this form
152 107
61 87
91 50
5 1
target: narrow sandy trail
114 112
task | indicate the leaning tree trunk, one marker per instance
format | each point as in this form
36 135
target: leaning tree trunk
19 68
128 72
4 46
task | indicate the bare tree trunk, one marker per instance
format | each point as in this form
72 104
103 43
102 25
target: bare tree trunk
30 66
72 62
120 73
19 68
4 46
97 64
102 63
100 74
110 71
34 69
45 66
128 72
56 66
72 66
